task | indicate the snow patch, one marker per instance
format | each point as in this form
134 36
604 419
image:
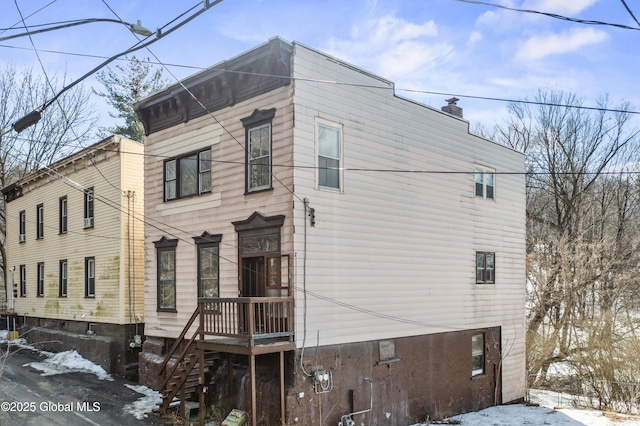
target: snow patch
148 403
68 362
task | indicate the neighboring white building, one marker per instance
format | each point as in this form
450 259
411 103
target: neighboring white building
75 251
341 245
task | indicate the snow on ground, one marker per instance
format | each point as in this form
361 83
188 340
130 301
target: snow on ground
504 415
73 362
148 403
545 414
69 362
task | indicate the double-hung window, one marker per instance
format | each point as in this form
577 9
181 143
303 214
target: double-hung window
484 183
259 158
22 219
39 221
329 149
477 354
89 277
88 208
485 267
166 278
40 280
208 265
63 215
258 150
62 284
23 280
187 175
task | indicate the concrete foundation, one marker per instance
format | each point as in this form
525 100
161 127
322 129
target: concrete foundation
107 345
389 382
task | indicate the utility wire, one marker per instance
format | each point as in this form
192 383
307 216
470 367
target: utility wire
2 30
341 83
630 12
552 15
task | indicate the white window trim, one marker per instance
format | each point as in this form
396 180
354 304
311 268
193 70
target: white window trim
484 170
320 121
478 371
250 158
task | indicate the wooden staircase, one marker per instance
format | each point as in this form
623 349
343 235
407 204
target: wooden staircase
176 370
244 326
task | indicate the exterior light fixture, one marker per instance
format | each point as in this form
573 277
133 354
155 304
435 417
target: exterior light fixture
139 29
28 120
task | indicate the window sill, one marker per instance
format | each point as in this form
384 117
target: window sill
479 376
258 191
330 189
171 311
186 197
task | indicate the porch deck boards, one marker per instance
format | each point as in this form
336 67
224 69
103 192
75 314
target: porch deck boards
242 346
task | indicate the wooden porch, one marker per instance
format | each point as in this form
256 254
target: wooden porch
248 326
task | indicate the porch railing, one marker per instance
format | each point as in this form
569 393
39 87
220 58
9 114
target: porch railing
247 317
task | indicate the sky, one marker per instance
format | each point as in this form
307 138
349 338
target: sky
449 47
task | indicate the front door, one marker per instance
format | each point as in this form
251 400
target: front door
253 277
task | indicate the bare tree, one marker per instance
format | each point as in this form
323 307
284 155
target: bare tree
64 127
582 231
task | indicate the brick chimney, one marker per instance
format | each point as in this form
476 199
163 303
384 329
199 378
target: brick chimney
452 108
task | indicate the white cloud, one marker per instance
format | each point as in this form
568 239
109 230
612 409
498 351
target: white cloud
538 47
391 46
475 37
572 7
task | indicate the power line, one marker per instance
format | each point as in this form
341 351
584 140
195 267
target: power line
342 83
552 15
630 12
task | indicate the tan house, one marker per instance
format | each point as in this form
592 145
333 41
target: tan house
75 254
327 250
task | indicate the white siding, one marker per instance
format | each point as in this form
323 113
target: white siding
393 254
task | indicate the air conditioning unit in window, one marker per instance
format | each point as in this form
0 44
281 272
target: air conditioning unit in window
22 238
88 222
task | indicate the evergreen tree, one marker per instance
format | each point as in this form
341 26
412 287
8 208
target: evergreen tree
124 86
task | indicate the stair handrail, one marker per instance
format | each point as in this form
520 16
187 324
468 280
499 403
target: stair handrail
175 346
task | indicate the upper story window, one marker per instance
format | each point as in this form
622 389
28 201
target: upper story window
258 150
485 267
88 208
187 175
484 182
22 219
63 215
39 221
329 150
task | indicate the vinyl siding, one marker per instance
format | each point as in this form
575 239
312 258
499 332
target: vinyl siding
187 218
393 254
105 241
